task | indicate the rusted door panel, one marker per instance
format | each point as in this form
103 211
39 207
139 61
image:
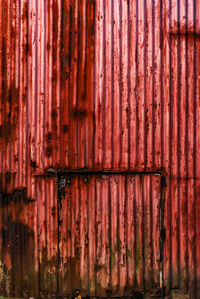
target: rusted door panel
109 233
29 242
18 253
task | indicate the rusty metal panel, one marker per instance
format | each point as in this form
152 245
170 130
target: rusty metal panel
181 247
29 242
17 242
98 85
110 234
105 85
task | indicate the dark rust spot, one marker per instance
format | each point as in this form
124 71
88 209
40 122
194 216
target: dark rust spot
8 177
27 48
24 97
92 30
54 114
33 164
16 196
163 182
83 96
18 243
65 128
98 267
49 151
13 33
79 113
1 131
53 211
25 12
49 137
66 60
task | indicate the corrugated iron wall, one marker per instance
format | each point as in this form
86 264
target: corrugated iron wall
105 240
101 85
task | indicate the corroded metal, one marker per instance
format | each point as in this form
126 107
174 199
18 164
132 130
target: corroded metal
88 86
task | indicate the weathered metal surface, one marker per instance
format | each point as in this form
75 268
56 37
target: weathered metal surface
103 85
105 238
29 242
99 85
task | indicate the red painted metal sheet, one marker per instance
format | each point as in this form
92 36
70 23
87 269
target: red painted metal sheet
110 234
181 249
101 86
106 85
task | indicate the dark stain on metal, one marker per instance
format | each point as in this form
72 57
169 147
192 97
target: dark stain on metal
65 128
18 242
33 164
79 113
188 34
49 151
49 137
15 197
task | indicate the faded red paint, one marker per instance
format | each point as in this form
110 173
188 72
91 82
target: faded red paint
93 86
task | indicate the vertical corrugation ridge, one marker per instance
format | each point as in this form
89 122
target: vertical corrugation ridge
93 84
161 82
77 94
129 84
19 68
44 78
117 234
152 253
179 66
37 240
88 237
145 81
69 85
194 290
153 82
186 136
36 82
27 96
104 81
120 80
112 88
136 86
96 238
170 138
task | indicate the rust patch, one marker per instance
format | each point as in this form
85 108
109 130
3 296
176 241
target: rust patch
49 137
49 151
16 196
8 176
54 114
79 113
18 243
33 164
25 12
53 211
65 128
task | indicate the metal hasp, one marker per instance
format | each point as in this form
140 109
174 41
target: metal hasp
102 90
